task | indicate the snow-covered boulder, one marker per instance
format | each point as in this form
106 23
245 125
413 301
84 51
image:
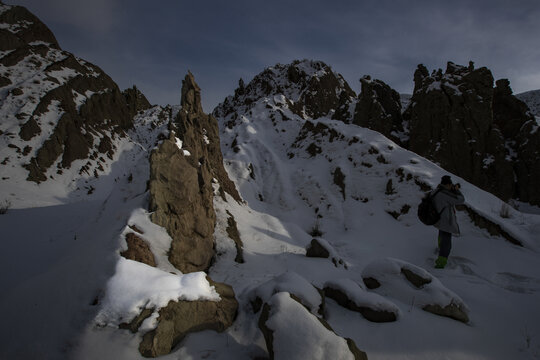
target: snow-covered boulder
414 285
355 297
291 332
290 282
320 248
179 318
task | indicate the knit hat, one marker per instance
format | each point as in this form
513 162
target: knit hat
446 180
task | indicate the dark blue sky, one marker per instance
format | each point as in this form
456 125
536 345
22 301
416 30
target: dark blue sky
154 43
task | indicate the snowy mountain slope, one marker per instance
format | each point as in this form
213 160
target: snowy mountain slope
62 118
532 99
62 255
286 169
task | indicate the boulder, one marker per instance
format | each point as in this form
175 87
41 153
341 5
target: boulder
179 318
320 248
292 332
354 296
298 287
405 281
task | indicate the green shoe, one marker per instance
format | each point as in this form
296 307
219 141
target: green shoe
440 263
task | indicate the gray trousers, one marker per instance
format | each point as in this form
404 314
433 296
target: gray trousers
445 243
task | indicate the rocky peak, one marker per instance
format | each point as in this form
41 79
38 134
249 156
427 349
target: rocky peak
181 182
379 108
311 89
191 95
22 27
475 130
58 110
451 122
135 99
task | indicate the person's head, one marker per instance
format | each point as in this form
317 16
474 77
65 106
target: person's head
446 181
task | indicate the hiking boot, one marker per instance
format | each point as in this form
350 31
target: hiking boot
440 263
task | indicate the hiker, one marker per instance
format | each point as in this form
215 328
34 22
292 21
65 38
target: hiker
446 196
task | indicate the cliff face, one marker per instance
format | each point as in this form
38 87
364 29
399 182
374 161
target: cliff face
379 108
57 108
182 176
475 130
451 122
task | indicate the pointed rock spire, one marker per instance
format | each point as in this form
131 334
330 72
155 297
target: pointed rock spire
191 95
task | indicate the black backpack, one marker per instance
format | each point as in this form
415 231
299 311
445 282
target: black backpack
427 213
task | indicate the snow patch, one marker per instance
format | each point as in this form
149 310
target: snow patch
136 286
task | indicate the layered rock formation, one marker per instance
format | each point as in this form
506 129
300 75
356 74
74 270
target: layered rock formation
58 108
311 89
379 108
458 119
181 183
522 139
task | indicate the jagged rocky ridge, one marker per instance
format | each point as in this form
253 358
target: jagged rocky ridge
57 108
475 130
458 118
310 88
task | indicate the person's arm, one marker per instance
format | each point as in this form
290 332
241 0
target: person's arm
454 196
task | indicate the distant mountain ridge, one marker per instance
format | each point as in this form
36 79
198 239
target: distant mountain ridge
532 99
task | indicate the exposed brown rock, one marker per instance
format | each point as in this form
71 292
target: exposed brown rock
136 323
181 188
180 318
138 250
234 234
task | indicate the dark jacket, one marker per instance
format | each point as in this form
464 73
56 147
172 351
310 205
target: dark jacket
445 201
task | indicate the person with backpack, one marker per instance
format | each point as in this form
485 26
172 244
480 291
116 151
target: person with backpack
445 198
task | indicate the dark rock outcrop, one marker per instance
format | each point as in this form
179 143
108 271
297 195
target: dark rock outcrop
180 318
315 249
311 90
451 122
135 100
379 109
181 183
479 132
520 131
372 314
